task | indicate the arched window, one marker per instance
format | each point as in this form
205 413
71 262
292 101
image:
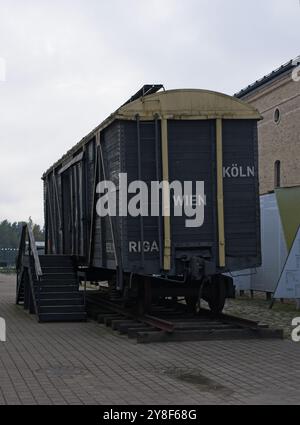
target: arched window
277 174
277 116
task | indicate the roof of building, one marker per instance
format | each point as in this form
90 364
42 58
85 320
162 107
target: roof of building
286 68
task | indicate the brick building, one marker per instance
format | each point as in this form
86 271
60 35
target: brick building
277 97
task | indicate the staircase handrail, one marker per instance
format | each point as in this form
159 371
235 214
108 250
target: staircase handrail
22 247
27 232
32 246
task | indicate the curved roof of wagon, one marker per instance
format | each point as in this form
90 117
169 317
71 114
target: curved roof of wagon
173 104
190 103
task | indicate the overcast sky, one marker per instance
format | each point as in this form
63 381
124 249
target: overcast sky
69 64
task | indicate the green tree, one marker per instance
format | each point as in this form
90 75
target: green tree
10 233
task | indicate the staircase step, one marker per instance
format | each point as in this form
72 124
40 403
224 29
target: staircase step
57 288
61 301
47 295
62 309
55 282
57 292
68 280
59 276
62 317
56 261
58 269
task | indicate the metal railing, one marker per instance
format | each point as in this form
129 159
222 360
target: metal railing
29 250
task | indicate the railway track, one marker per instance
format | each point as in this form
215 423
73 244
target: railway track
172 323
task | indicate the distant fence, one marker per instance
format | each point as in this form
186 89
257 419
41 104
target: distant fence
8 257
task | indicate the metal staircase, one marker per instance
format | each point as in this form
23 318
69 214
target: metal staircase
48 285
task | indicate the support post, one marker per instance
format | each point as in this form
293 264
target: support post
220 192
166 195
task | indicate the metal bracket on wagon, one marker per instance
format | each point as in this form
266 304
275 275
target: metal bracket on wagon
200 267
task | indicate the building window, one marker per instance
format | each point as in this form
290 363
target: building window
277 175
277 116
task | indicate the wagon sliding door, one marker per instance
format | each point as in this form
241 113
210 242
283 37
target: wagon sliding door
241 202
192 155
73 210
67 213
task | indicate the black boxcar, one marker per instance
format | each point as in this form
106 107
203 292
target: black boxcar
161 136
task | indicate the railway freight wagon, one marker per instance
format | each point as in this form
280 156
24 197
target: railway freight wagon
113 201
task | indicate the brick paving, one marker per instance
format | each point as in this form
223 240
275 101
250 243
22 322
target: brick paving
257 309
86 363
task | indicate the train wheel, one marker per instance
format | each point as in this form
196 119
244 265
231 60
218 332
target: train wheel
217 297
114 294
144 296
192 304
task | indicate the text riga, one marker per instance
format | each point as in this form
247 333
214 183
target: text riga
186 202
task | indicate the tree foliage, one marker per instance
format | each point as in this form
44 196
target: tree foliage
10 233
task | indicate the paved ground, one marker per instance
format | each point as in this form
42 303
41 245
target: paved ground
89 364
257 309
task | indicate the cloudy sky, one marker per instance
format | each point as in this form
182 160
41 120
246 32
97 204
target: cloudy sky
70 63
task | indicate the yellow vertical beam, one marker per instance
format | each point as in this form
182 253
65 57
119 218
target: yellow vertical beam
166 195
220 193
